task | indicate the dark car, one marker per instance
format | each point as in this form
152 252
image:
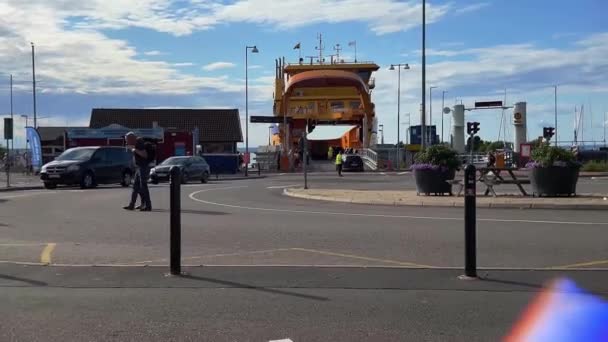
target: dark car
89 166
192 167
352 162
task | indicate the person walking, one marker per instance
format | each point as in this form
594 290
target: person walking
142 160
339 163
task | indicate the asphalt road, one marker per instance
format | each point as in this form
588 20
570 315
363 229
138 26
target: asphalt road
321 286
268 303
252 223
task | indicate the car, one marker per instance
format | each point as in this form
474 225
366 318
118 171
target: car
192 167
352 162
89 166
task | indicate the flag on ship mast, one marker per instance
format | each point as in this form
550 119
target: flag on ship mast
354 43
298 47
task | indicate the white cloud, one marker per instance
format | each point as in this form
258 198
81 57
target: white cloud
470 8
527 70
182 17
153 53
185 64
70 59
382 16
218 66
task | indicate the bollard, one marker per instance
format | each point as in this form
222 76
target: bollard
304 159
175 221
7 165
470 255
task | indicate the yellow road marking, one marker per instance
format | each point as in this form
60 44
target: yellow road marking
395 262
45 256
583 264
218 255
351 256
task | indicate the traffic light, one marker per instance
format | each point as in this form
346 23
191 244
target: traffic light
472 128
548 132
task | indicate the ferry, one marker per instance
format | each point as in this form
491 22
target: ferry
325 90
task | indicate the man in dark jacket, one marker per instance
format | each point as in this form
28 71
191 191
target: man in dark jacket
142 172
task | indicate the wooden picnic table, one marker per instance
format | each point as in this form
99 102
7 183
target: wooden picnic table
497 179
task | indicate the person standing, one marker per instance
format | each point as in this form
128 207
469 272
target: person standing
142 172
330 153
339 163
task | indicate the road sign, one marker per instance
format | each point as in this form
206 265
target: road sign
525 150
517 118
268 119
8 128
446 110
482 104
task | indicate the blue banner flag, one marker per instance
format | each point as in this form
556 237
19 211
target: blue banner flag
35 148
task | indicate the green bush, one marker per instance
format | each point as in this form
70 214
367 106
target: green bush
595 166
439 155
546 155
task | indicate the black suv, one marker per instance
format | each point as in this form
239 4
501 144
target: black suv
89 166
352 162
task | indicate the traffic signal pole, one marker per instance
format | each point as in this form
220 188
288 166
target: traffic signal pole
472 129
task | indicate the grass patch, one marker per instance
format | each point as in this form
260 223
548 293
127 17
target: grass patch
595 166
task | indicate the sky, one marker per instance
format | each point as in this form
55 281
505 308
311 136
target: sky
191 53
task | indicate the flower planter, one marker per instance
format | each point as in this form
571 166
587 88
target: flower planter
554 181
433 181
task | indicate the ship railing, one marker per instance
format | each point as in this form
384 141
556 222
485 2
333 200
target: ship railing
305 62
475 158
370 158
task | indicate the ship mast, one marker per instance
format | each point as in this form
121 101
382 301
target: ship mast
338 49
320 47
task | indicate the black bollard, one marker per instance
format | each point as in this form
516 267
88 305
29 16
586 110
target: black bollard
470 256
175 221
305 158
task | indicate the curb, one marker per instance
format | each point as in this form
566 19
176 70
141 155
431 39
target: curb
451 204
22 188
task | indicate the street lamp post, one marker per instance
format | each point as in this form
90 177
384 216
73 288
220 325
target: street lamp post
26 144
253 49
269 134
430 139
555 86
381 126
442 113
423 109
405 67
11 92
408 123
34 83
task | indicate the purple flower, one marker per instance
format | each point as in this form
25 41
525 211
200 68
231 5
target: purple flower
429 167
533 165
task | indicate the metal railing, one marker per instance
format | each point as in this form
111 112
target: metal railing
370 158
475 158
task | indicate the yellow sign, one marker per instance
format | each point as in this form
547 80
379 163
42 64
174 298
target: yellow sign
517 118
